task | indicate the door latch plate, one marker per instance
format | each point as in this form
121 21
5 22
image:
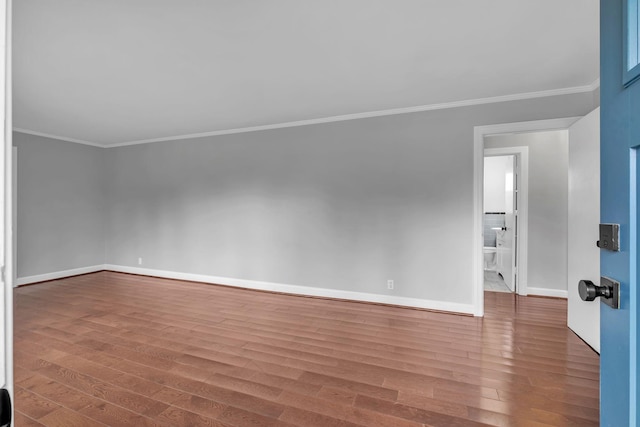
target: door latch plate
614 301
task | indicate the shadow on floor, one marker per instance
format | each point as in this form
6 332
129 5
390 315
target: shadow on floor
494 282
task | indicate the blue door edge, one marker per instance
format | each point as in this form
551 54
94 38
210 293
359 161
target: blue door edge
633 288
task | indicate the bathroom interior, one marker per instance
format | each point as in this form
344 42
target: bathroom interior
498 224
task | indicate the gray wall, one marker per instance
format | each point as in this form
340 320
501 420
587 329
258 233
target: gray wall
343 205
548 204
60 205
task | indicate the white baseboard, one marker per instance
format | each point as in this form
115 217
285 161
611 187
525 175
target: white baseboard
58 275
544 292
299 290
259 285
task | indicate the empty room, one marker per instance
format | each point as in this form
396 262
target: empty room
235 213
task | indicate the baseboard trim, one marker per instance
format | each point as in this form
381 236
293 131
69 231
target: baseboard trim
20 281
260 285
299 290
544 292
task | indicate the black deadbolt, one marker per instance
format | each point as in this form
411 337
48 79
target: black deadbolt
589 291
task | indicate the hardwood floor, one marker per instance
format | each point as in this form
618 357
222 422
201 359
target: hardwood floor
123 350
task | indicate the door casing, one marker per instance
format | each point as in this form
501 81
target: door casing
479 133
6 199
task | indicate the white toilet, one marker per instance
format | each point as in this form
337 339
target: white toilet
489 257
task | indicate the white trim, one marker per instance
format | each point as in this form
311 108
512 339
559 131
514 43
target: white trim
14 215
370 114
479 132
58 274
365 115
523 209
478 233
61 138
6 258
527 127
298 290
544 292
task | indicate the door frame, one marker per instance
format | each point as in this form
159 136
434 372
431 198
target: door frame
522 195
479 133
6 157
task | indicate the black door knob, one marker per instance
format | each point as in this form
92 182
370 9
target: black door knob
5 408
589 291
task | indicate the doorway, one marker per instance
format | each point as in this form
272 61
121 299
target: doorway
542 256
500 219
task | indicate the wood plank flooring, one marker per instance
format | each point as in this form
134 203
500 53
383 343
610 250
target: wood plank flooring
123 350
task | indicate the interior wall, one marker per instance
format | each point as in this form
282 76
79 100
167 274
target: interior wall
344 205
339 206
60 205
548 204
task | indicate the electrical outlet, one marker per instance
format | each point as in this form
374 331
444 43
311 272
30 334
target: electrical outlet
389 284
139 261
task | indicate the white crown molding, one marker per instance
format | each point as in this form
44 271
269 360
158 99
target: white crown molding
61 138
526 127
366 115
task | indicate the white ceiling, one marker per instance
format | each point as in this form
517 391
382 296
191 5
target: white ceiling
115 71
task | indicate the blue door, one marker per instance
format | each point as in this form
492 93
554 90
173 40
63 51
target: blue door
620 182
